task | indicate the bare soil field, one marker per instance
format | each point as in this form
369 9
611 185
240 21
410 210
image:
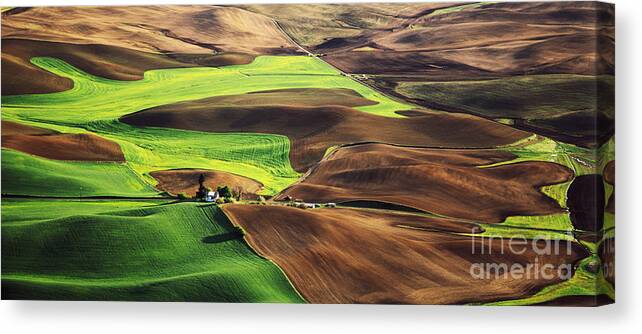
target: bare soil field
576 109
310 97
160 29
458 118
387 46
176 181
445 182
312 24
363 256
510 58
498 39
12 128
77 147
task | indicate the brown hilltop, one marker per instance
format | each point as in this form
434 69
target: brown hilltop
200 29
60 146
178 181
14 128
492 39
445 182
448 43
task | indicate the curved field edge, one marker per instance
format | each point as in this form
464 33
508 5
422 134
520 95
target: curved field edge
155 251
94 105
175 85
261 157
582 161
246 238
248 241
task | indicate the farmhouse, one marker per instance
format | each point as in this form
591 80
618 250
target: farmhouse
211 196
204 193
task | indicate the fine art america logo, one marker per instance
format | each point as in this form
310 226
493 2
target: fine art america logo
540 248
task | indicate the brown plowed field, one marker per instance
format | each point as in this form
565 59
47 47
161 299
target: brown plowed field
362 256
515 58
445 182
159 29
178 181
79 147
313 128
309 97
498 39
12 128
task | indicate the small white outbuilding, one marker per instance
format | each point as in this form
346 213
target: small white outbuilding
211 196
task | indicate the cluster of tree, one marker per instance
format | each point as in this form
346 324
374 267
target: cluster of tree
224 191
225 194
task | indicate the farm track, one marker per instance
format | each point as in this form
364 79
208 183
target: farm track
311 54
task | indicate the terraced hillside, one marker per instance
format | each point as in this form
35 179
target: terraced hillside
373 153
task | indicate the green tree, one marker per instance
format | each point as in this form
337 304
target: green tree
224 191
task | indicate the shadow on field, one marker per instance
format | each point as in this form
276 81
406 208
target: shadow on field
213 239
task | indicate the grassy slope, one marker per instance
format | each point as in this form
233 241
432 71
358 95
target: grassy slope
131 251
94 104
24 174
261 157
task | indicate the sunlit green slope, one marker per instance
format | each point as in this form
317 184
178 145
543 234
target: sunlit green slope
131 251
